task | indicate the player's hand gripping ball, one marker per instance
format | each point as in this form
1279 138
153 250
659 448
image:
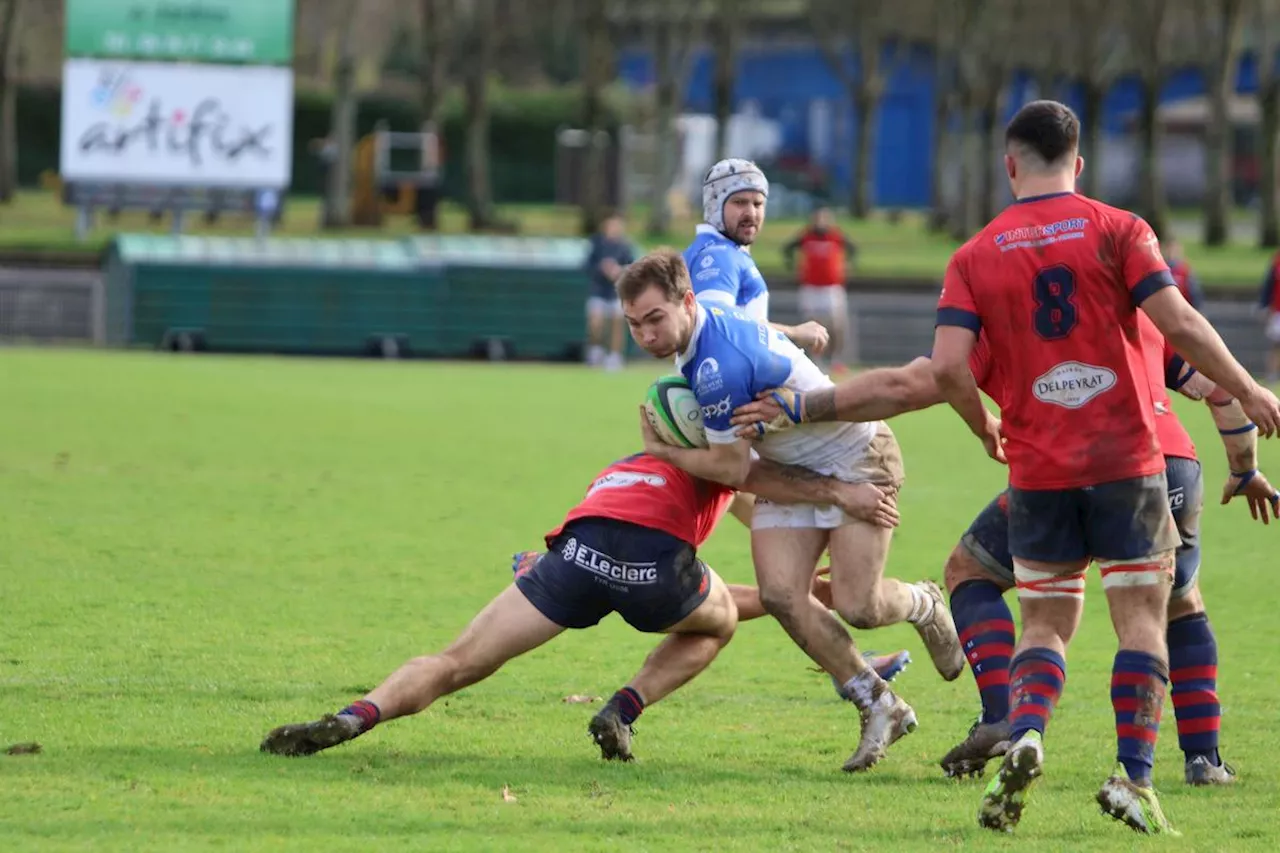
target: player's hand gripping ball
673 411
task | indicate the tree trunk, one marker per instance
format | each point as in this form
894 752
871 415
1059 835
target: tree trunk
1091 117
435 58
598 59
1151 201
987 169
726 48
479 63
938 161
9 26
337 208
971 159
1269 222
665 108
1219 133
866 103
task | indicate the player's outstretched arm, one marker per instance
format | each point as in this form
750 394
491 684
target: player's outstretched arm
1199 343
952 346
809 335
874 395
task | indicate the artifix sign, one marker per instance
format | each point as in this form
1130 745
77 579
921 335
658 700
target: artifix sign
195 125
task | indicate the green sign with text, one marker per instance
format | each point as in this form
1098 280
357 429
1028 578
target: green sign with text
256 32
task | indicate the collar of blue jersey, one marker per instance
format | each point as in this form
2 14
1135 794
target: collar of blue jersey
700 319
704 228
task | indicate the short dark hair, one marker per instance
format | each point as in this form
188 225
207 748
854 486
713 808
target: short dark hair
662 268
1048 129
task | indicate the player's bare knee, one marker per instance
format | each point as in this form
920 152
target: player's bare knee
780 602
1188 603
961 567
863 613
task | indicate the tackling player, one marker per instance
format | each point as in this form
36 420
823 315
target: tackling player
727 358
630 547
980 570
734 193
1054 281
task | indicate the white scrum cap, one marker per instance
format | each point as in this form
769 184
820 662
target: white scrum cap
723 180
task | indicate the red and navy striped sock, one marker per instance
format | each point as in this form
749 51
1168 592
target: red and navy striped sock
1038 675
1138 683
1193 671
986 635
629 703
364 711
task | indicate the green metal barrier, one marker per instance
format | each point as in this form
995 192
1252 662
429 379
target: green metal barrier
450 296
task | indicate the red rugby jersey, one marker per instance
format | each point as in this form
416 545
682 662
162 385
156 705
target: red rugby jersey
1163 364
1053 281
651 493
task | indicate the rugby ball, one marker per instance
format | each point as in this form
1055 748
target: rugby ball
674 413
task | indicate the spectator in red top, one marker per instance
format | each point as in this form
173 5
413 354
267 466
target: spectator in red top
1183 277
825 254
1270 303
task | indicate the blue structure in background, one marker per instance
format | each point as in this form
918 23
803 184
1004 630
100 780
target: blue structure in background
785 82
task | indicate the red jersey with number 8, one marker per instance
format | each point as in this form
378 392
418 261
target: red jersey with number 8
1054 282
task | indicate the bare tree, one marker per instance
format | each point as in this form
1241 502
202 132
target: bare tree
1220 44
1096 58
948 32
342 120
860 31
1267 21
599 59
726 32
437 18
674 27
1151 26
10 22
987 56
477 42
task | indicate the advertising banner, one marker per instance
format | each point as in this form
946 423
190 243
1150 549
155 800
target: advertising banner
250 31
161 123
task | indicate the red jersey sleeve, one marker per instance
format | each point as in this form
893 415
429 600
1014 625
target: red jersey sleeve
1143 267
956 306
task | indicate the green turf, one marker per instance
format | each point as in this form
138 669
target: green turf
194 550
887 250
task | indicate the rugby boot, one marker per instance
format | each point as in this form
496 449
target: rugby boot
611 734
984 742
938 632
884 721
1006 795
1201 771
888 667
523 562
1133 805
309 738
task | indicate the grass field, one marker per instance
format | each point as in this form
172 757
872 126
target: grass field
37 221
194 550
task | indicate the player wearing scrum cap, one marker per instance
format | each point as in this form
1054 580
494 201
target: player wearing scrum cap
734 193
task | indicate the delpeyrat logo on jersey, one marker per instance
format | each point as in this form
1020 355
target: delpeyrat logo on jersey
1073 383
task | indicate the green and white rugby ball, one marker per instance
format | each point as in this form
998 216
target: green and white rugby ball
674 412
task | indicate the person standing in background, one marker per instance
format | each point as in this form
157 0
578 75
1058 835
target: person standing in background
1269 301
825 257
610 253
1183 277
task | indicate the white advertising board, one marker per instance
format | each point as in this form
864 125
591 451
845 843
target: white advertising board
172 124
